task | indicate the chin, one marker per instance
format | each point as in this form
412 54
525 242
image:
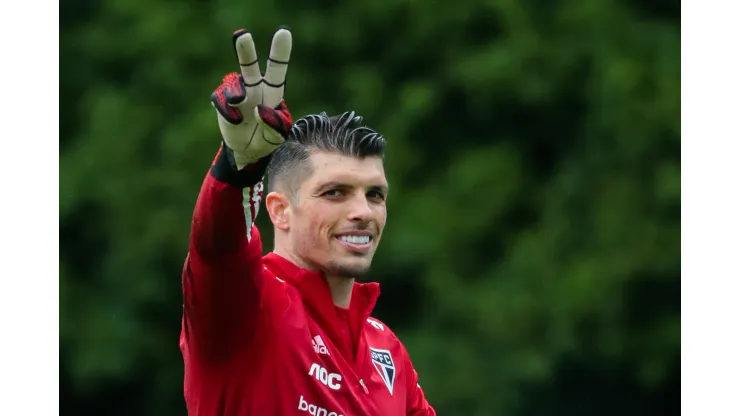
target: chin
349 268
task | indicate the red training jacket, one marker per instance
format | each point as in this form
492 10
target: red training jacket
261 336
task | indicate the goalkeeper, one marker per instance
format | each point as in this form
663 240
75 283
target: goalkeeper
289 333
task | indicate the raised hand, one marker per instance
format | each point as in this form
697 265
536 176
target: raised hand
252 114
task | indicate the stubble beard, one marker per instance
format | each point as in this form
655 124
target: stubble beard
347 271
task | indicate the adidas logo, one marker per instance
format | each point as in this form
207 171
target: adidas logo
319 346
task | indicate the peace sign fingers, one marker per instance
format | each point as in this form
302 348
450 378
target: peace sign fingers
246 53
277 67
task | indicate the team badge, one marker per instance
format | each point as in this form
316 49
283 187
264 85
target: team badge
383 363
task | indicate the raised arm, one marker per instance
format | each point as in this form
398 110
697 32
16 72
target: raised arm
223 285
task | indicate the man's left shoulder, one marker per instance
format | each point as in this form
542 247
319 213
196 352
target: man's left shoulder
381 335
378 325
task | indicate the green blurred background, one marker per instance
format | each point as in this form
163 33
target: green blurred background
531 261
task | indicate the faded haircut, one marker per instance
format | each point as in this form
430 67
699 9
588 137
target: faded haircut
341 134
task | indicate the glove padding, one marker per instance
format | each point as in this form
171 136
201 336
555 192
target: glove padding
252 115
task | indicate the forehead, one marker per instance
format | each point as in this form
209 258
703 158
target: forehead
332 167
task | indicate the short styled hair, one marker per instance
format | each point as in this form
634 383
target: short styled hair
342 134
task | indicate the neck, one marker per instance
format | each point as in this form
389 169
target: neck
341 287
341 290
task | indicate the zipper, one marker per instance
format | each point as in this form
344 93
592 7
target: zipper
362 383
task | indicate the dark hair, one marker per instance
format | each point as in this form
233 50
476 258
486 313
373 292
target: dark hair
343 134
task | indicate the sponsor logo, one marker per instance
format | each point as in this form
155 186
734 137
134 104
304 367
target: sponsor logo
314 410
319 346
376 324
326 378
383 363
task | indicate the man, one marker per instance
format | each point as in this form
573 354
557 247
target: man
289 333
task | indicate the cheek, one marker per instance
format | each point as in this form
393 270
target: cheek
311 230
381 215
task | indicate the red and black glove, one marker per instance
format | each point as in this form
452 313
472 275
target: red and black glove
252 115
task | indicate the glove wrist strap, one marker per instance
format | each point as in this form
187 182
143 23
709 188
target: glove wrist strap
224 169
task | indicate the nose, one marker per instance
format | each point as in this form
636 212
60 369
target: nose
359 210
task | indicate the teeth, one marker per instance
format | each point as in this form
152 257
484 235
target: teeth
355 239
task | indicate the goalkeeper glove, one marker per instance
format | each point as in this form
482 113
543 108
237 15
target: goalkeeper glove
252 115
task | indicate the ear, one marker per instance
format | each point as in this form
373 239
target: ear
278 207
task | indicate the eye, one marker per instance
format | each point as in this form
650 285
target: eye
333 193
376 195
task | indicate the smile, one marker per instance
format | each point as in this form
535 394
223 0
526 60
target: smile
356 239
356 242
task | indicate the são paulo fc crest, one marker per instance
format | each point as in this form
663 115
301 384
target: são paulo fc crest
383 363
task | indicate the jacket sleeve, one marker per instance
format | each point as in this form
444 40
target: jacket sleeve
416 404
223 282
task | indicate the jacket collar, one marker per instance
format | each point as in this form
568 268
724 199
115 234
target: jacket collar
316 296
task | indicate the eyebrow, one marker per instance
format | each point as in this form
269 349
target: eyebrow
341 185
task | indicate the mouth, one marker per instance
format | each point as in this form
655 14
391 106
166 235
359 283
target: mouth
356 241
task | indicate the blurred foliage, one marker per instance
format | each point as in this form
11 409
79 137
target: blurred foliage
531 262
